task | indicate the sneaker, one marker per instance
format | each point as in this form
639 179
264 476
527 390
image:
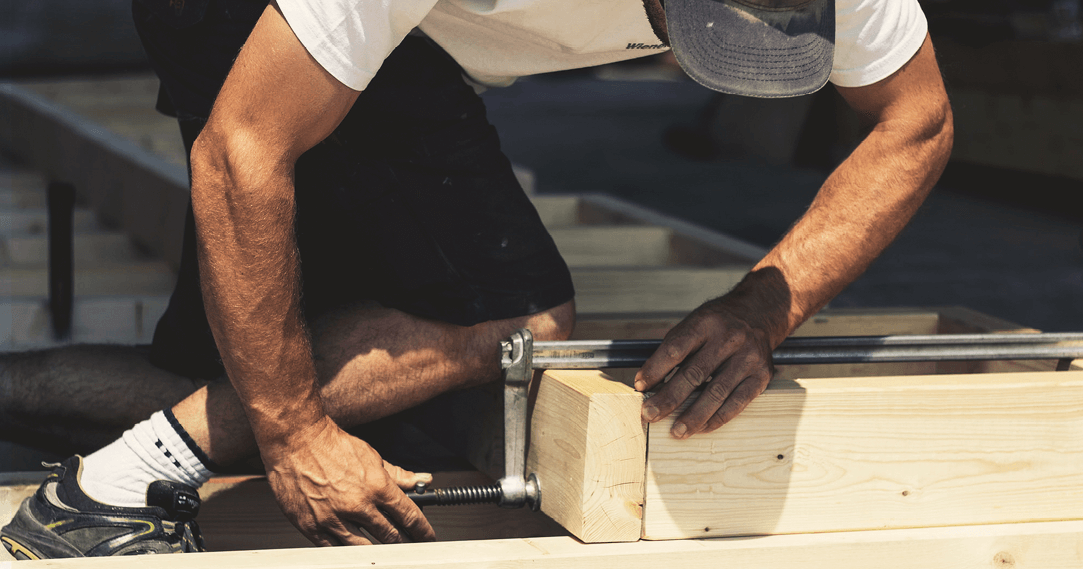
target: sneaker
60 520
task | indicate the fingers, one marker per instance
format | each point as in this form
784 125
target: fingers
737 383
674 349
394 518
397 521
723 355
406 515
406 479
693 373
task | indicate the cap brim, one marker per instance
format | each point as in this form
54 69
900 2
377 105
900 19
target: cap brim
733 48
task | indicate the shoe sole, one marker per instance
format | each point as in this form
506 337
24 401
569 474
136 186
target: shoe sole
24 538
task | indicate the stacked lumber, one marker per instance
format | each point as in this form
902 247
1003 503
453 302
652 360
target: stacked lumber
119 290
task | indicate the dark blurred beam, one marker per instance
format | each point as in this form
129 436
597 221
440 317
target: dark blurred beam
61 205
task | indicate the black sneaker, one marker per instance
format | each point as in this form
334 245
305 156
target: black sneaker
60 520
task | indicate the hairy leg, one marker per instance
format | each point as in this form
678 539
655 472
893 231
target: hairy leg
372 362
76 399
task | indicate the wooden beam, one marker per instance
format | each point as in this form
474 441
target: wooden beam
821 455
471 424
142 278
597 209
90 249
1051 545
603 246
32 221
659 290
557 210
961 320
871 453
110 319
588 447
126 185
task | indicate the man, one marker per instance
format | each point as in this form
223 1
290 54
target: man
362 113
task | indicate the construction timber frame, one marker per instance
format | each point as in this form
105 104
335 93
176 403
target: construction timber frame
956 464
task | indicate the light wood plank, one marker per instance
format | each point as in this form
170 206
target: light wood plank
605 209
658 290
613 246
588 446
962 320
125 320
89 249
34 221
870 453
557 210
124 183
146 277
865 322
1051 545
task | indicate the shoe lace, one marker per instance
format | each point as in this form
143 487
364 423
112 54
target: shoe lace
191 538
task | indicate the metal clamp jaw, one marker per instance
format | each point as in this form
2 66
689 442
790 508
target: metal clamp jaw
518 487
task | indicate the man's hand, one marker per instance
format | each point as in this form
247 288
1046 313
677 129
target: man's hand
724 345
331 486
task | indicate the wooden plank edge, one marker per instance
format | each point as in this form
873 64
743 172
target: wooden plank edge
794 495
123 182
588 446
1046 545
740 249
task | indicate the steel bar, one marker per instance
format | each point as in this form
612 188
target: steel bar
596 354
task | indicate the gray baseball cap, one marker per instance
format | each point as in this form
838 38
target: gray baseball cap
757 48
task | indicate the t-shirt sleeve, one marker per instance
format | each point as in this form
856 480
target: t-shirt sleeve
351 38
874 38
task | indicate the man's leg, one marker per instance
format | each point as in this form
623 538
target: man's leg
76 399
373 362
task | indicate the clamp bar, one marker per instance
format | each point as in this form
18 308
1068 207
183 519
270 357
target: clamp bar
596 354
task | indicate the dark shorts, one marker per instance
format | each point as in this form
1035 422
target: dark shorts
410 203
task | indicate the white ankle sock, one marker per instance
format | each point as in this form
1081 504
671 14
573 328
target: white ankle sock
119 473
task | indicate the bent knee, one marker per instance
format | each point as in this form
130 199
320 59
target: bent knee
556 323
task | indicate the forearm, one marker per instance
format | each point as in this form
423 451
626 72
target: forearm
860 209
250 276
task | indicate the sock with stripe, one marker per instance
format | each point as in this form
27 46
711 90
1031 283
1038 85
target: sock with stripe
156 449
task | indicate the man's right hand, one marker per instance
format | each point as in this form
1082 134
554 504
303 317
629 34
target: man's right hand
331 486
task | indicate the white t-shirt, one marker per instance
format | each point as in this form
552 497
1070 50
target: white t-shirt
496 41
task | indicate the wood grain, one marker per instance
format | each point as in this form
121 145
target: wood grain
1051 545
657 290
588 447
872 453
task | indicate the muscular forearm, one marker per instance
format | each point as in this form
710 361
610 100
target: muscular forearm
861 208
250 277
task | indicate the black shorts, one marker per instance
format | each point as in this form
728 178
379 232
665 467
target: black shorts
409 203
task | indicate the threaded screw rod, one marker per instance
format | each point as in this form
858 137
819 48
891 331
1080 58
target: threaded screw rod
458 496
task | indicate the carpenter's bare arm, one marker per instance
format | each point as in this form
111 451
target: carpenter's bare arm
727 342
278 102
